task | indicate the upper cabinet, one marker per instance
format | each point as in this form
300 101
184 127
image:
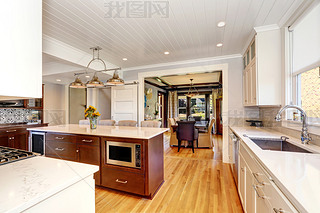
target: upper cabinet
21 45
262 70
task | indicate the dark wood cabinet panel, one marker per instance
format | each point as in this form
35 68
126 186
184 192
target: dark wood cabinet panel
124 181
61 150
4 140
88 140
60 137
20 141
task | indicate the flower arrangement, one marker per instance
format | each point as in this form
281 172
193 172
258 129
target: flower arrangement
91 113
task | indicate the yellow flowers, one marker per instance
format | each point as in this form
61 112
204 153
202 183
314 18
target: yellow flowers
90 112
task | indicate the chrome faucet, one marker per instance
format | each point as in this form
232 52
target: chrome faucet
305 138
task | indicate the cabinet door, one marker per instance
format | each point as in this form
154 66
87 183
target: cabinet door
90 154
253 84
20 141
250 192
4 141
245 87
242 182
262 205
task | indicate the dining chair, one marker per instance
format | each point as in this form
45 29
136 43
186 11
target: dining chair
173 135
155 124
127 123
84 122
206 137
176 119
187 132
107 122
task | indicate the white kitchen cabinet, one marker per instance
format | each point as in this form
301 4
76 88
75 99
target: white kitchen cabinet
262 70
258 193
21 49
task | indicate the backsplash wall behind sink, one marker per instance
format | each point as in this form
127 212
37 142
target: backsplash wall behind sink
14 115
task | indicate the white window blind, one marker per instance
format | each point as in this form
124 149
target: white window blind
306 42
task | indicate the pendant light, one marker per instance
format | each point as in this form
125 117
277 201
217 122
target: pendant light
77 83
115 80
192 92
95 82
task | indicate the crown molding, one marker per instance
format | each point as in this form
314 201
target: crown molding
192 61
266 28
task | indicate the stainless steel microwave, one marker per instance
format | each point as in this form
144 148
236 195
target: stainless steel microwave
124 154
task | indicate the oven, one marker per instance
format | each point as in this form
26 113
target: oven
124 154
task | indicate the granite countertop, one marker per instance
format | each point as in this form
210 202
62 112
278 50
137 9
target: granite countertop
27 182
107 131
296 174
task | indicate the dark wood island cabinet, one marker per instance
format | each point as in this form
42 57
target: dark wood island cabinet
77 143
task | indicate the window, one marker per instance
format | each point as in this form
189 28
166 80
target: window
308 93
198 106
182 107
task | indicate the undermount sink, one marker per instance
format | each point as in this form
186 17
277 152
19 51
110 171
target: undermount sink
277 145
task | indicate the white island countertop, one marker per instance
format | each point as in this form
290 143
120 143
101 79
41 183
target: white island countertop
106 131
296 174
27 182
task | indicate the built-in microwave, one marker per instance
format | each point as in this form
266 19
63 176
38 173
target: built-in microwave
124 154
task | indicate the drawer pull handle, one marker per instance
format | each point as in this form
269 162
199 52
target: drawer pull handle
87 141
120 181
59 149
255 189
59 138
255 175
11 131
278 210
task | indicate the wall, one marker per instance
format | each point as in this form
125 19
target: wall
55 105
104 103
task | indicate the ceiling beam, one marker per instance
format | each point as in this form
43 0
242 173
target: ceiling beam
155 85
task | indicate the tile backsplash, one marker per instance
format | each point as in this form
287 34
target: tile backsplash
14 115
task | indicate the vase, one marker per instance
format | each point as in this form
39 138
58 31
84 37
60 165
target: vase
93 123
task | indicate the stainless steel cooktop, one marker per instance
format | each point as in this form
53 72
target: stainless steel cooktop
9 155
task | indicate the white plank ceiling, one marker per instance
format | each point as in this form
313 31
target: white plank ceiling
190 31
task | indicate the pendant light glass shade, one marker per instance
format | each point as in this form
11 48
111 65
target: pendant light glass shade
77 83
192 92
94 82
115 80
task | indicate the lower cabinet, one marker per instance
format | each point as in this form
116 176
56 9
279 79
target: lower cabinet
257 190
14 138
83 149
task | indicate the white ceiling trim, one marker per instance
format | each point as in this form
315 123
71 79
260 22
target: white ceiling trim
266 28
200 60
69 53
57 68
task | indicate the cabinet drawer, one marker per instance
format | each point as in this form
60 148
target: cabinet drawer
62 150
12 131
124 181
60 137
89 140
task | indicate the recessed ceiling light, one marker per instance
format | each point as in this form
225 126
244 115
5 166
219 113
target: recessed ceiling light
166 53
87 76
58 79
221 24
219 45
125 59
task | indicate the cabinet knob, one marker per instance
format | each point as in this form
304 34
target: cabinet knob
77 150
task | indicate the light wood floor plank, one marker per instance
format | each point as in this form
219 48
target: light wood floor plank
194 182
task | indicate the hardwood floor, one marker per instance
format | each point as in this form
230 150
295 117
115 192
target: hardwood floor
197 182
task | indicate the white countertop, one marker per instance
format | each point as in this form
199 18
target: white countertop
27 182
296 174
108 131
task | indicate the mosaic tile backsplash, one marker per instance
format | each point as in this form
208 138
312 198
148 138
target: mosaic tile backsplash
14 115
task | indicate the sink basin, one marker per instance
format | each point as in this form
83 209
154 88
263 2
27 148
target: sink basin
277 145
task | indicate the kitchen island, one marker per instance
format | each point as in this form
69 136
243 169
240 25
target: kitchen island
130 158
40 184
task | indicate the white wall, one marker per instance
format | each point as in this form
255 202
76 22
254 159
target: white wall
104 103
55 104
